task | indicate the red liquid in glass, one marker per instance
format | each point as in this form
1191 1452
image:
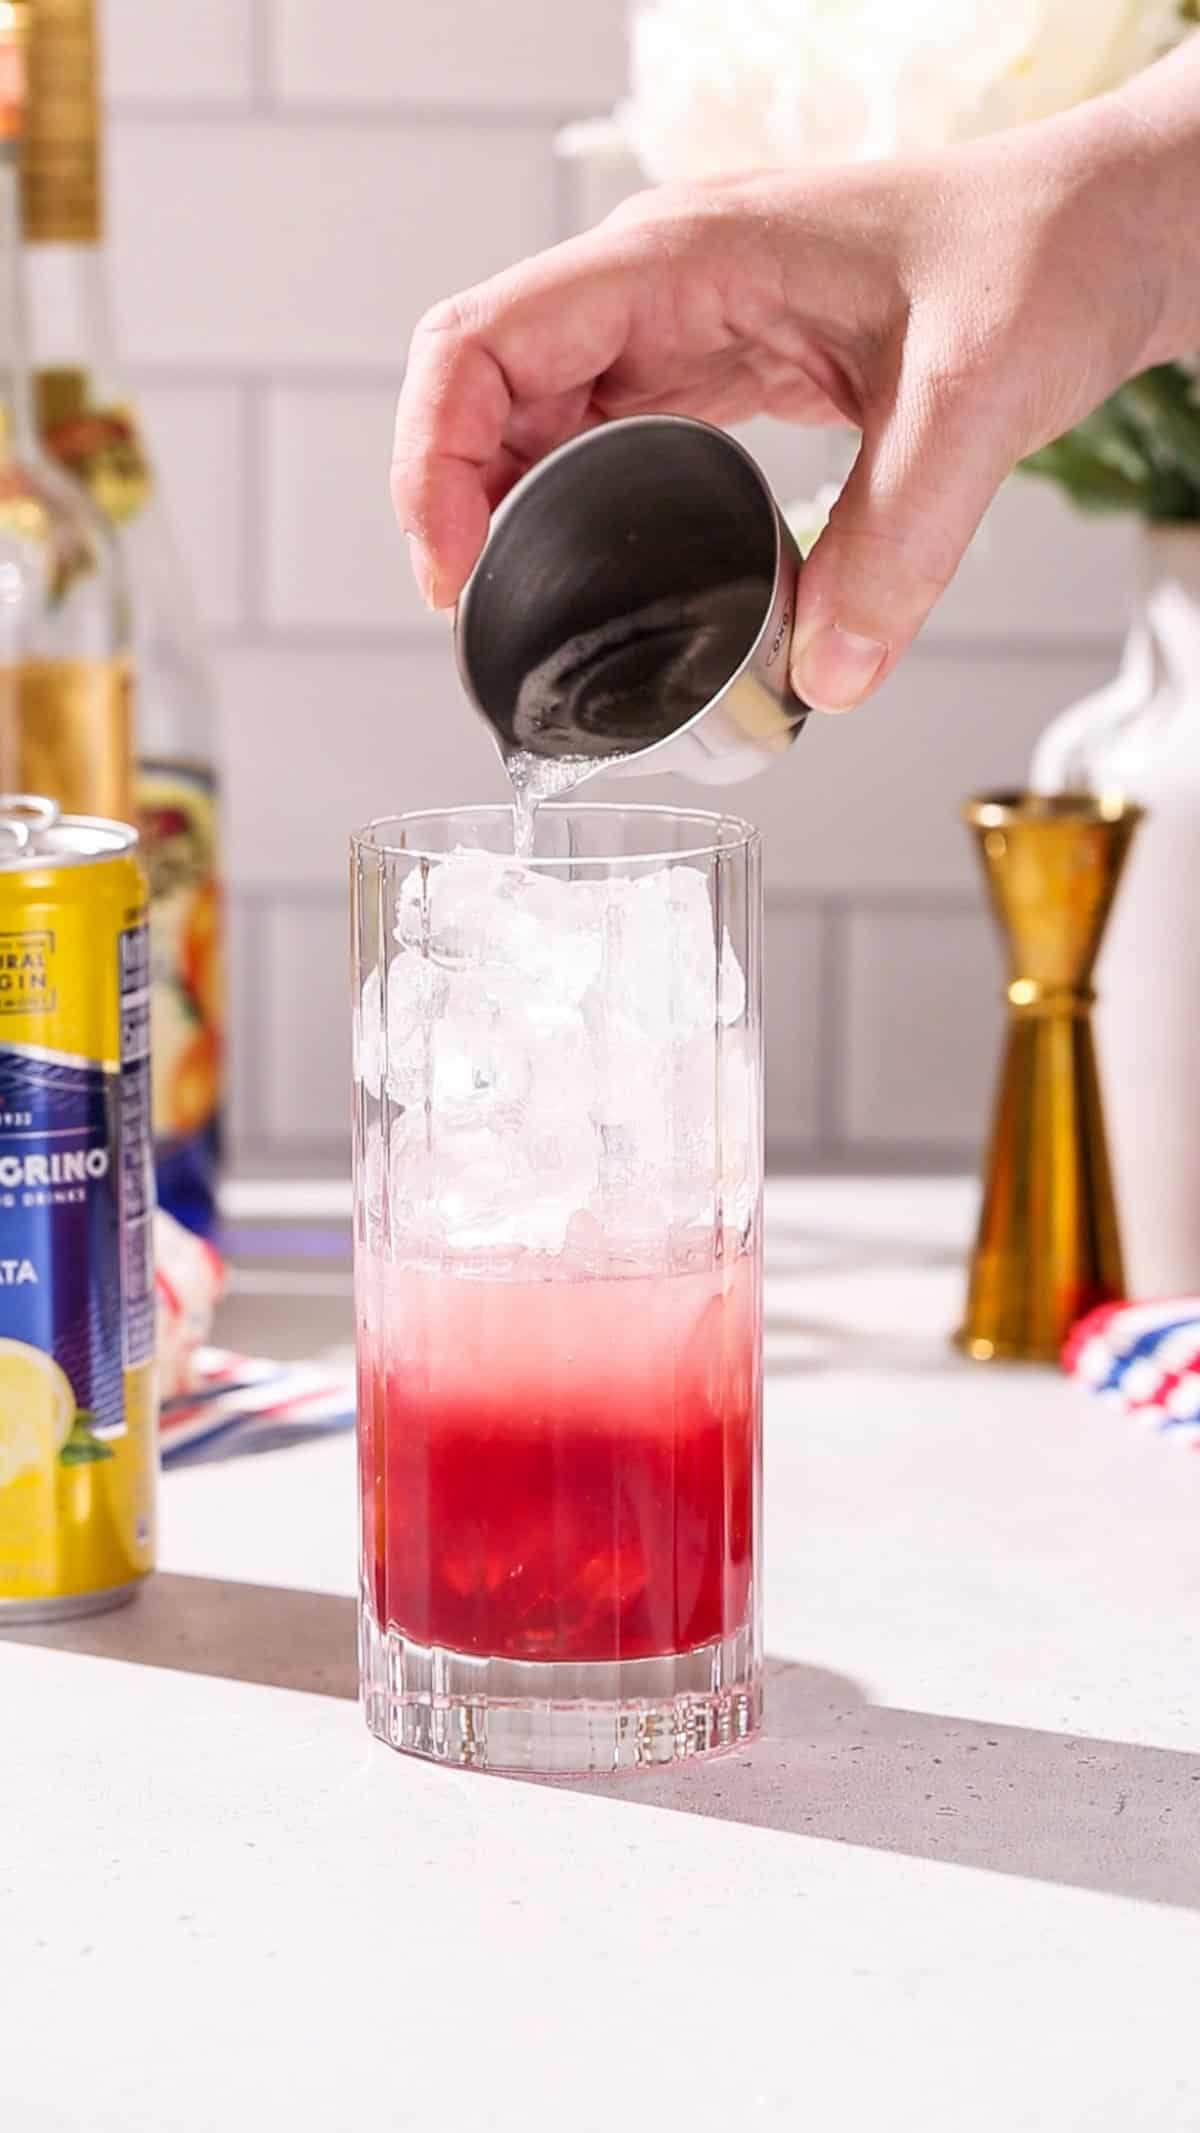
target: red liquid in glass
560 1470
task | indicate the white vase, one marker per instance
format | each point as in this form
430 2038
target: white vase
1141 737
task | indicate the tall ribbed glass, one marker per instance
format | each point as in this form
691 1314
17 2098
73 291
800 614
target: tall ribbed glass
558 1177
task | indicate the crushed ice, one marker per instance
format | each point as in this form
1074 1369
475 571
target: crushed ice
548 1054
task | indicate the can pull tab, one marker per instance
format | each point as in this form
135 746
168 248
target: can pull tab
23 817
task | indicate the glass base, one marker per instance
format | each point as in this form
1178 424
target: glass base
548 1720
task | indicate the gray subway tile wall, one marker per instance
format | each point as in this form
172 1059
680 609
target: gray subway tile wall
290 186
533 55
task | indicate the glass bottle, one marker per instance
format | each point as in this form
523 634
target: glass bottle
90 426
65 700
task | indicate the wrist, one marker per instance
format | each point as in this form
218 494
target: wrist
1137 151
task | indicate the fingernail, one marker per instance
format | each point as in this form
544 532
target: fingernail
835 670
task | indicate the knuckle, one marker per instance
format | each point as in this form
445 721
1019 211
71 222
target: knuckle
977 360
451 317
948 377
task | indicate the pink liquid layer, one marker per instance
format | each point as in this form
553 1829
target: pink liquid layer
560 1470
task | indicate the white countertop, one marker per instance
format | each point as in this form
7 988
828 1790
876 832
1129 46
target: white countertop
953 1889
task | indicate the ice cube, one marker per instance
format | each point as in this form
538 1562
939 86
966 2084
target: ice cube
417 994
455 1187
563 1169
731 983
466 1063
694 1081
476 910
471 1188
548 1054
628 1064
659 966
692 1152
367 1035
448 909
372 1199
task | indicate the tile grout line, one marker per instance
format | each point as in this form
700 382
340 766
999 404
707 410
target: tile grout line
875 902
254 517
262 69
382 636
315 377
331 641
261 106
801 903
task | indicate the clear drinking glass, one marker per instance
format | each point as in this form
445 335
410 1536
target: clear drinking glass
558 1182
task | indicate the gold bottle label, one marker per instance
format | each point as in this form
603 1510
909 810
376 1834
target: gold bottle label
100 446
72 732
177 816
61 156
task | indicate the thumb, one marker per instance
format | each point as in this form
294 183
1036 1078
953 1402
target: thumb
894 540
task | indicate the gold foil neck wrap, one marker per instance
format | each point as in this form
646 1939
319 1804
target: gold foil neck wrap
70 728
61 159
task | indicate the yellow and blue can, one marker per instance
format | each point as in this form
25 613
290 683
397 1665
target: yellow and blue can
78 1420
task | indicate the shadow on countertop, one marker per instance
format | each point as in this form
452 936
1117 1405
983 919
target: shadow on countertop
1111 1816
272 1635
1094 1814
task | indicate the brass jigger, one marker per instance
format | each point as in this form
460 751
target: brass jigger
1048 1247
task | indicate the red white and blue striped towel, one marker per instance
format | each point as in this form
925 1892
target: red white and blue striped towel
240 1403
1145 1359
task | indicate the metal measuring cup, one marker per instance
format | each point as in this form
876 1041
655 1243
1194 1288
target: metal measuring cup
646 566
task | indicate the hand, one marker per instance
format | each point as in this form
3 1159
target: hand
960 311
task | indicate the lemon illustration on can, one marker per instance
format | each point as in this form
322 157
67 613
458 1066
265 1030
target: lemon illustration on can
37 1409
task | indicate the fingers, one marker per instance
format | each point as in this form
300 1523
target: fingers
897 534
495 379
449 425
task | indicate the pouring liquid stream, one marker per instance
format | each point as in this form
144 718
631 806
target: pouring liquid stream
535 779
611 692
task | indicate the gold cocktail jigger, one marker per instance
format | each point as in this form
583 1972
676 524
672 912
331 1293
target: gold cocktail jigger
1048 1246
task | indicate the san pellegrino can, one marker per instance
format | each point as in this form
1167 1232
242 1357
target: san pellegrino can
78 1421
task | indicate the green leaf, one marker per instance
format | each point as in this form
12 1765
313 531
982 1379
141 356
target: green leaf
1088 481
1138 451
81 1447
1160 405
82 1451
1109 435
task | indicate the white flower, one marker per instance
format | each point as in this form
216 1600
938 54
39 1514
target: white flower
717 86
1082 48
